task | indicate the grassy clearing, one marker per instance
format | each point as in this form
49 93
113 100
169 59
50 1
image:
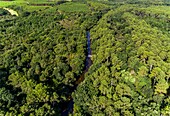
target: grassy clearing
28 5
22 2
8 3
73 7
35 5
42 1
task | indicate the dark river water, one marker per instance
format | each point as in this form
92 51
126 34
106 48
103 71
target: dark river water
88 63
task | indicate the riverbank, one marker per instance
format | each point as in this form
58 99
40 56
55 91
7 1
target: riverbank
88 63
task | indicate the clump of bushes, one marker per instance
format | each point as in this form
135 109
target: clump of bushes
3 12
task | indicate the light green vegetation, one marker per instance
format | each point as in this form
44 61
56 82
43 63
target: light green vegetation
28 5
73 7
8 3
41 1
25 2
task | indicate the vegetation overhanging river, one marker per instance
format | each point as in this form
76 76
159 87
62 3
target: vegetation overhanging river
88 63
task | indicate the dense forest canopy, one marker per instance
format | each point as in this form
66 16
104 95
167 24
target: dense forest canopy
43 53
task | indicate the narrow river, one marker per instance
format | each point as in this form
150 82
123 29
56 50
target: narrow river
88 63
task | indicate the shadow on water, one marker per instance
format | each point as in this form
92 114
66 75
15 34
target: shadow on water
69 105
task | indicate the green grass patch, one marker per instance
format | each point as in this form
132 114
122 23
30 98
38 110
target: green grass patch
73 7
22 2
8 3
29 5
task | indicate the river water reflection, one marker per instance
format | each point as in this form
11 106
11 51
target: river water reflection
88 63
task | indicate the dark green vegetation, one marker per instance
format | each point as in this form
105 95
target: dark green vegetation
43 51
3 12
